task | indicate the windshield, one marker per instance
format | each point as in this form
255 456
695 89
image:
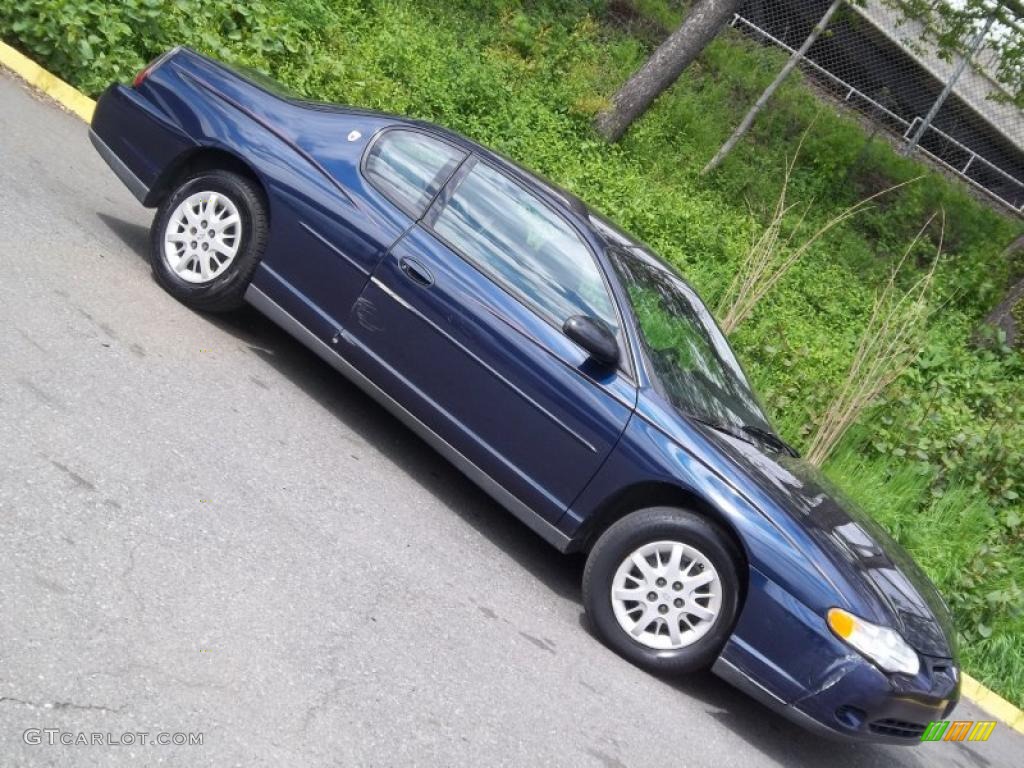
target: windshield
692 363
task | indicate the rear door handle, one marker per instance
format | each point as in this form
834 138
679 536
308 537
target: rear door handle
415 271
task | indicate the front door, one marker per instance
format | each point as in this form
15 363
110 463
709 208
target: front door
461 323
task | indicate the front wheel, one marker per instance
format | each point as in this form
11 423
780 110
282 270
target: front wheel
662 589
207 239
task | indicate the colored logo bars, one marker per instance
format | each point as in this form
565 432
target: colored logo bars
958 730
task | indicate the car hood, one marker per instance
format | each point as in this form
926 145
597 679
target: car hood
884 578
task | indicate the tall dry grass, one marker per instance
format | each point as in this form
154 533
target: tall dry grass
771 255
889 343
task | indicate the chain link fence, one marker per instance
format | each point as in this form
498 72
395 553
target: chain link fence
879 64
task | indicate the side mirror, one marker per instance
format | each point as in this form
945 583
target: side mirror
595 337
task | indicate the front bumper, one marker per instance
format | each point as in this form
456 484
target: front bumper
783 654
857 701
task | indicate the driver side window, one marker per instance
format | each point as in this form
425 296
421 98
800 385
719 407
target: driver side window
516 240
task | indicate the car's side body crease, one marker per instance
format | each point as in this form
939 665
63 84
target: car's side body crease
630 404
485 365
333 248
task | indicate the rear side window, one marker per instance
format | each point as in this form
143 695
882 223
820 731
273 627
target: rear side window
522 244
409 168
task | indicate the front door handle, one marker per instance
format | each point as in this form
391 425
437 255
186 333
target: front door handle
415 271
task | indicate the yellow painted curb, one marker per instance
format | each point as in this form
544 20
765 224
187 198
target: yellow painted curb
76 101
993 703
64 94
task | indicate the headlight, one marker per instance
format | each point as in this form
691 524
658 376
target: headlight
881 645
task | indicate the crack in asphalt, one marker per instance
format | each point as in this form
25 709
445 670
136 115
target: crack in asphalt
58 705
80 481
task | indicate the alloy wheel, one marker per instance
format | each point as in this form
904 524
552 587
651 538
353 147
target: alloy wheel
666 595
202 236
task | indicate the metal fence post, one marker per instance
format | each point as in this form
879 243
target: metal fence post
948 87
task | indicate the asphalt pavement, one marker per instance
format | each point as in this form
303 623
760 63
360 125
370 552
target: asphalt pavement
206 530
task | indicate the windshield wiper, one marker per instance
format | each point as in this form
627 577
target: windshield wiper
772 439
746 431
728 429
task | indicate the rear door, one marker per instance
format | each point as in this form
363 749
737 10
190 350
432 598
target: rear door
461 323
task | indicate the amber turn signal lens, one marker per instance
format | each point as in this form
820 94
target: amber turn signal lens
841 622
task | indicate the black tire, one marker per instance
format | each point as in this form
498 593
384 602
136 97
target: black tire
224 292
619 542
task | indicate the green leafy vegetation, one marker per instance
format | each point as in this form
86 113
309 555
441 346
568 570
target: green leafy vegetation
937 458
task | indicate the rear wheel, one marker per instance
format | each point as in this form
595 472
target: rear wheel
207 239
662 589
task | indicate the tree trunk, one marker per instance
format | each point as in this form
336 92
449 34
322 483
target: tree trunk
662 69
794 59
1003 315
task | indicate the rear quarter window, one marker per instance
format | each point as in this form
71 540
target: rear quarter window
409 168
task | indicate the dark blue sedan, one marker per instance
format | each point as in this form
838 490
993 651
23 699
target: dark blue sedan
560 364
